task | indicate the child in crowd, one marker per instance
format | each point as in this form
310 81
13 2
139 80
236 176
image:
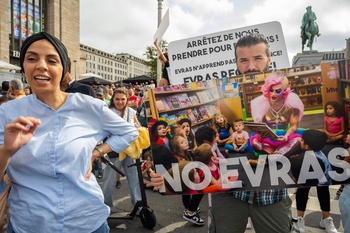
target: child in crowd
204 154
160 132
206 134
344 199
239 138
224 128
334 123
147 168
315 140
187 127
179 147
176 130
194 178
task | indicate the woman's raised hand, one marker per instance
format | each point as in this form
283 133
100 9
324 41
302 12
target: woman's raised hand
18 133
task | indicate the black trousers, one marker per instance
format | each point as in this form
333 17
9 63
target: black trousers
302 196
191 202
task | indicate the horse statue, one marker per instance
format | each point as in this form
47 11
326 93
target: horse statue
309 29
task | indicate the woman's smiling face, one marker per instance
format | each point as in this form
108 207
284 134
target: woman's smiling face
43 67
119 101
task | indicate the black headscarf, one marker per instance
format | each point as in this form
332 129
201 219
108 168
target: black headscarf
59 46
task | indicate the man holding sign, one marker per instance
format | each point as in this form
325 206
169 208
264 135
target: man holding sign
269 210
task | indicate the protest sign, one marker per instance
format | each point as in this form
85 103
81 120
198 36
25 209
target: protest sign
212 56
272 172
186 173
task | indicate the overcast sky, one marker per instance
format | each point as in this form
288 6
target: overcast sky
128 26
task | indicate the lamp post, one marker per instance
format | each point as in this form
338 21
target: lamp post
75 69
159 65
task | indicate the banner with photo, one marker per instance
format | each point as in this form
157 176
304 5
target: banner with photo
187 108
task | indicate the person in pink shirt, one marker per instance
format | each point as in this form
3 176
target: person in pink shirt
334 125
132 98
239 138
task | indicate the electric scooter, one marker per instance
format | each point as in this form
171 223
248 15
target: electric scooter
141 208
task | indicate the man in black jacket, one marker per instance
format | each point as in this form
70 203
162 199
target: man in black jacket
70 85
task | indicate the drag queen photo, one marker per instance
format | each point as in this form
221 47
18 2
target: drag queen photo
281 109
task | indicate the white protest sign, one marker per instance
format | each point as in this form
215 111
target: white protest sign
164 24
212 56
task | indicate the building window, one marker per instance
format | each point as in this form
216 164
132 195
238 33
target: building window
27 17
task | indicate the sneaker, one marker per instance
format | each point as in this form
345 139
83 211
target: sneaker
301 224
99 176
118 184
194 218
198 210
327 224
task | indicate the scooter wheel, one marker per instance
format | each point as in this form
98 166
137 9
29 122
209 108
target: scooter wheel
148 218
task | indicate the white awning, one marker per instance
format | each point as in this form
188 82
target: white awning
5 65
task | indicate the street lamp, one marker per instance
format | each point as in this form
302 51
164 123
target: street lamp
75 69
159 65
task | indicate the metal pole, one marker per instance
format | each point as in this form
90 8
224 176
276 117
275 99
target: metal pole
75 69
159 65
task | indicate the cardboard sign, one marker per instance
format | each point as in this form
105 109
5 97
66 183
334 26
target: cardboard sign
212 56
164 24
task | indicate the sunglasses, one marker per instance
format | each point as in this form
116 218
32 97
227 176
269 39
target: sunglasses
277 91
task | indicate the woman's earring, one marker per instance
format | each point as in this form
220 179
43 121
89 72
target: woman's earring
24 78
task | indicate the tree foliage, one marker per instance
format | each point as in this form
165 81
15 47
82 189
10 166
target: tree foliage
152 57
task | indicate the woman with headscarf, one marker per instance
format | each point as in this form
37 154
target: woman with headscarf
47 143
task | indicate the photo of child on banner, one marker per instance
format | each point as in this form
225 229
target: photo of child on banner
278 164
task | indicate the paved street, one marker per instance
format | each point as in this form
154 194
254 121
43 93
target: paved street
168 211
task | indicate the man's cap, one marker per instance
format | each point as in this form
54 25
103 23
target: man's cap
99 91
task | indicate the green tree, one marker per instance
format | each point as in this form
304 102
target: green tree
152 57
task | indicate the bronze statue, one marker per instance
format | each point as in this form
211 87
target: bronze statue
309 28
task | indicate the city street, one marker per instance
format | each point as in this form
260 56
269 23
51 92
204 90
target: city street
168 211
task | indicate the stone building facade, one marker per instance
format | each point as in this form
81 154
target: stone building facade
61 18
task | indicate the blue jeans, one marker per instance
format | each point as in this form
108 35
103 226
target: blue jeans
110 178
104 228
97 166
232 149
344 206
